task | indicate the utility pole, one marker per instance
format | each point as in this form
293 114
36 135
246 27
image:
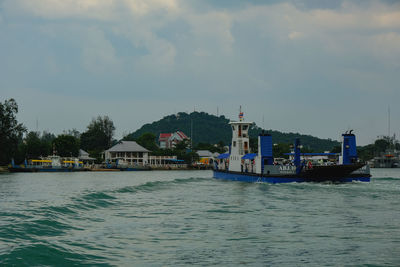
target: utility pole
389 121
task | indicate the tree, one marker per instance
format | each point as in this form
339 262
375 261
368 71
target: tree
279 150
253 144
98 136
182 145
74 132
148 141
11 131
47 143
366 152
33 145
336 149
67 145
381 145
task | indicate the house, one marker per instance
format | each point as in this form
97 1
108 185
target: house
129 152
163 140
169 140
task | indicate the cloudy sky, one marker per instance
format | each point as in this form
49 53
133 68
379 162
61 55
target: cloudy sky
317 67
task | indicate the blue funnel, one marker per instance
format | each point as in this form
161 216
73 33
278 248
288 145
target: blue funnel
349 148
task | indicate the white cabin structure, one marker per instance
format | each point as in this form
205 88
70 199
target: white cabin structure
240 144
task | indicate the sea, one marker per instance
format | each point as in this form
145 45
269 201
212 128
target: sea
187 218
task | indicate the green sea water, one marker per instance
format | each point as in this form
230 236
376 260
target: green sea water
184 218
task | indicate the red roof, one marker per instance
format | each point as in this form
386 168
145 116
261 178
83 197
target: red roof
182 135
165 135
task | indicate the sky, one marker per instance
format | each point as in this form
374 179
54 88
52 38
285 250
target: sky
317 67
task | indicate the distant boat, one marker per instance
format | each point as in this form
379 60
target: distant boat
52 163
123 165
388 159
241 165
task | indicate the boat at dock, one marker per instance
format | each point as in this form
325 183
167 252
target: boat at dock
52 163
242 165
123 165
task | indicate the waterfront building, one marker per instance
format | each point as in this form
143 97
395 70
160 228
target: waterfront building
128 152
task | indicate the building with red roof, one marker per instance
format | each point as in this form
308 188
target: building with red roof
169 140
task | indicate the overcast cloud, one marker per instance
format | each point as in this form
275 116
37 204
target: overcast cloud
315 67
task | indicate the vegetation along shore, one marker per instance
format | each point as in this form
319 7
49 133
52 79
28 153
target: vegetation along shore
19 143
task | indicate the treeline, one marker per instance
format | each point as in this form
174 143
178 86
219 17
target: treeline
18 143
209 133
209 129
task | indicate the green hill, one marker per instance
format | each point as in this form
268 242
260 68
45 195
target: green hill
212 129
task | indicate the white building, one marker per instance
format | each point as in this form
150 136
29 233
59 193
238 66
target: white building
127 152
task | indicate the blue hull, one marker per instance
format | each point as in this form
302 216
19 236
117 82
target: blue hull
281 179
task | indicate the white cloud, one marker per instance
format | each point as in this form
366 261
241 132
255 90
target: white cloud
191 52
387 20
55 9
212 29
386 48
144 7
295 35
161 56
93 9
98 53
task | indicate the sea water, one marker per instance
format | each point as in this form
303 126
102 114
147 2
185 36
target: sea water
169 218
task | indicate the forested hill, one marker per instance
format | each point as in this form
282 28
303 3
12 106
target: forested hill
212 129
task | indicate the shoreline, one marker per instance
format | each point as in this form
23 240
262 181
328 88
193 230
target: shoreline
4 169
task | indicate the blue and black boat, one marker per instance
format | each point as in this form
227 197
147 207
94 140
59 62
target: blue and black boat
242 165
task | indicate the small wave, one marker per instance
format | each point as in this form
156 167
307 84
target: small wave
47 254
93 201
32 230
225 211
98 195
57 211
157 185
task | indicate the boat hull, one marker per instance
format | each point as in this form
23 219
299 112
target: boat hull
45 170
254 178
